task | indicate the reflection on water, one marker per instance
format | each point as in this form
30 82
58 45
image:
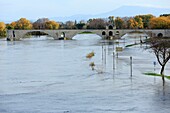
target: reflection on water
42 75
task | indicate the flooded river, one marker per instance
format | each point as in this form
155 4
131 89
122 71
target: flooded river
42 75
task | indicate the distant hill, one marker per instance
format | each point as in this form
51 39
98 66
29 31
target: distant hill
77 17
121 12
136 10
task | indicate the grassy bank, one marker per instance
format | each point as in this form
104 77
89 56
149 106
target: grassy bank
86 32
130 45
156 74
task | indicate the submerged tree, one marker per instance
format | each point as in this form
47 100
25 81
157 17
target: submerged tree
92 65
161 49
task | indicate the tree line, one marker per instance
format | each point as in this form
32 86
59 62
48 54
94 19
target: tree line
137 22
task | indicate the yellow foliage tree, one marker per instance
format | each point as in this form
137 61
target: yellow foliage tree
51 25
13 24
2 29
2 26
132 24
23 23
160 23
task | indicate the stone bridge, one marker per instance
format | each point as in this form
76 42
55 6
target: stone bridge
104 33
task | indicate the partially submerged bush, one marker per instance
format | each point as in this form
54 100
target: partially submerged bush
92 65
90 55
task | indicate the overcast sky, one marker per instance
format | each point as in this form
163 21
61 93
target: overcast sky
33 9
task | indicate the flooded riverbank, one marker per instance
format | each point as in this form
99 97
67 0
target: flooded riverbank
42 75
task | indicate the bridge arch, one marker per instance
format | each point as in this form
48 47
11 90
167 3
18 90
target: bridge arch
63 35
95 32
110 33
19 34
132 33
104 33
110 26
160 35
36 32
117 32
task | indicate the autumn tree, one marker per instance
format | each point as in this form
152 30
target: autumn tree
132 24
23 23
161 49
2 29
11 25
119 23
96 24
160 23
52 25
139 21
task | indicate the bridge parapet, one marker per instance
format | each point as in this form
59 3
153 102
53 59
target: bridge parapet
56 34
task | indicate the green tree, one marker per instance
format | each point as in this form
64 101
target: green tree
165 15
119 23
146 20
111 20
11 25
80 25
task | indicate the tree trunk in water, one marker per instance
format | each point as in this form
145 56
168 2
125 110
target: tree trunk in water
92 68
162 74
